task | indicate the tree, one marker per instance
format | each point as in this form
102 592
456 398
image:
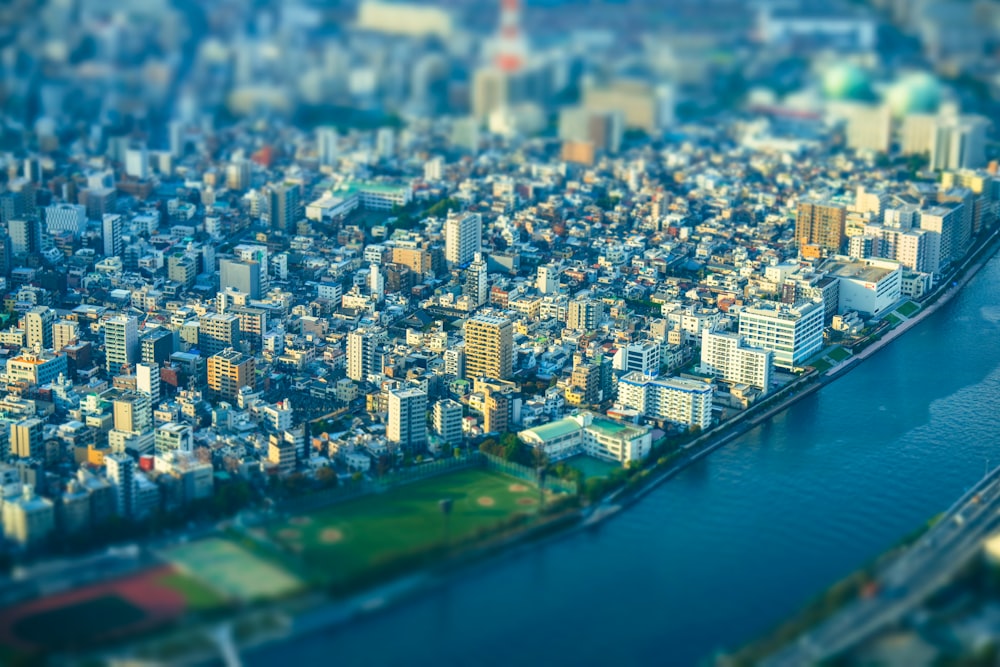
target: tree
231 497
382 465
491 446
326 477
295 483
515 451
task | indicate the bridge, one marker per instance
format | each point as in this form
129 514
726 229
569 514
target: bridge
907 580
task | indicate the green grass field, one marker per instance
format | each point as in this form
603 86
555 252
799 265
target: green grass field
223 566
839 354
197 595
908 309
892 319
821 365
347 539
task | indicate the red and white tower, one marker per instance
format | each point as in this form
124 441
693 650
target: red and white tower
511 46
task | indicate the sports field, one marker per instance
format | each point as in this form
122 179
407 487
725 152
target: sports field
94 614
348 538
592 468
226 567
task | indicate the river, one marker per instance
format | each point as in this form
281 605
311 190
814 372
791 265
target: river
734 544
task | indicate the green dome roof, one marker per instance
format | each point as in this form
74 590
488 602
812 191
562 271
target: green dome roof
914 93
845 81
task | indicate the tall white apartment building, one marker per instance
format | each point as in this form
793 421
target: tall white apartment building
121 474
463 237
725 356
642 357
448 421
121 342
676 400
407 427
38 327
793 333
584 314
958 142
361 352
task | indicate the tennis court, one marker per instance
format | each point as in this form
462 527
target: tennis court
233 571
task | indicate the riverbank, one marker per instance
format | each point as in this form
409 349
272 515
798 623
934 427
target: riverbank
846 590
593 517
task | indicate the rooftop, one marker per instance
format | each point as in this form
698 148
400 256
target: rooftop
616 429
866 271
556 429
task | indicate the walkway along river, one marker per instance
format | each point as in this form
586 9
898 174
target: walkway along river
738 541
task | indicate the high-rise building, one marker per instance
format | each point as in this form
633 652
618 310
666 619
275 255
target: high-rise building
25 235
489 347
6 254
112 227
28 519
121 474
121 342
959 142
182 268
217 331
498 406
949 223
584 314
64 332
434 169
327 143
793 333
137 162
642 106
463 237
38 327
229 371
376 283
284 207
241 276
252 252
66 218
675 400
454 362
26 438
238 175
407 427
173 437
918 133
132 412
385 142
601 129
476 286
640 357
156 346
585 383
820 224
547 280
448 421
725 356
362 353
147 381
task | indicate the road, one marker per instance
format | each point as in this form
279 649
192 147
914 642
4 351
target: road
906 581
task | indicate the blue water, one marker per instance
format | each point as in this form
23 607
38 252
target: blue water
736 543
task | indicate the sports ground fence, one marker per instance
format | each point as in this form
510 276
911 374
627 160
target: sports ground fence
416 473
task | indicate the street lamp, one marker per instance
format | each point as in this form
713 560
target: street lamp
445 506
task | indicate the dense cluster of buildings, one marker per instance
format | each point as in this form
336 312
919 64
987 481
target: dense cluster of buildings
186 305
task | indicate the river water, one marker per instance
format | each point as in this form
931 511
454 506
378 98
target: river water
734 544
